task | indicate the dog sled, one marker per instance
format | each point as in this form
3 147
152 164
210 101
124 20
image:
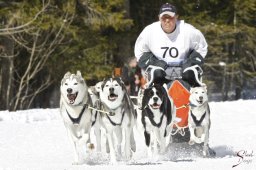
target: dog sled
178 90
180 96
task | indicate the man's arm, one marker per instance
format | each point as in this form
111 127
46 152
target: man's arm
198 43
143 54
191 66
149 59
141 44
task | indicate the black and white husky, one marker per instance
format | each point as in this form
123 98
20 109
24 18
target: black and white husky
74 101
199 118
119 117
157 116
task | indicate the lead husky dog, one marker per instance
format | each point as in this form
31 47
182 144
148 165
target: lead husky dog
74 110
199 118
119 117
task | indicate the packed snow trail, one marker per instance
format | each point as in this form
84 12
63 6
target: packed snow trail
37 139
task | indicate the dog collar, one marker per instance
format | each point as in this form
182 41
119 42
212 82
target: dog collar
115 124
192 105
112 111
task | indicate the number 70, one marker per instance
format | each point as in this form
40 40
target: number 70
173 52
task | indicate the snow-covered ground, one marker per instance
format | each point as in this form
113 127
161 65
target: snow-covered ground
36 139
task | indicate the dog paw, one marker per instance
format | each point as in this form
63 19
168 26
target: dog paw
76 163
197 140
191 142
127 158
113 162
206 153
90 146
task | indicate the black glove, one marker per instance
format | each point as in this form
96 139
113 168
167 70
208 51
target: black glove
155 75
148 58
194 58
189 76
193 76
159 76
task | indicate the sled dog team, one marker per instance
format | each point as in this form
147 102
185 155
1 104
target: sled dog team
107 108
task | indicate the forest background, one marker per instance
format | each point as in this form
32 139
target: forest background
41 40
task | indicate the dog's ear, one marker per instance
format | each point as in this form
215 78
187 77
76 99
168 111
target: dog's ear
103 83
123 85
67 74
79 77
78 73
166 106
205 87
98 86
192 89
145 98
120 81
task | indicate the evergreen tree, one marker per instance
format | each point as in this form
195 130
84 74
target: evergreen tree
52 37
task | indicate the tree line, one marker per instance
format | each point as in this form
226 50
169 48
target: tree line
41 40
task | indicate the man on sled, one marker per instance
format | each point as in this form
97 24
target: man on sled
171 51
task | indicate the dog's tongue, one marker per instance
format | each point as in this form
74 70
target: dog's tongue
200 101
112 97
71 97
155 106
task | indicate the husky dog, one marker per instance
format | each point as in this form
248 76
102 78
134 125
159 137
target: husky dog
119 117
199 118
74 110
158 115
96 126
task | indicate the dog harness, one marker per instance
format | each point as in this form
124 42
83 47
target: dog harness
112 113
78 119
197 122
115 124
149 114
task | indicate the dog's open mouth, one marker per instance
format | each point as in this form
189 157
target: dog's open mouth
112 97
72 97
155 106
200 101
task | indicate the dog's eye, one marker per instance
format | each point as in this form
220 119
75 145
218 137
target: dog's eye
116 84
66 84
75 83
106 85
151 93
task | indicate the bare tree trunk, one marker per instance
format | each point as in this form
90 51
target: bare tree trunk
6 72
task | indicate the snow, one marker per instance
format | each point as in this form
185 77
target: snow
37 139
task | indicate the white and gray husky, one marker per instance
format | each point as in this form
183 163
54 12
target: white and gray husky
199 118
118 118
74 101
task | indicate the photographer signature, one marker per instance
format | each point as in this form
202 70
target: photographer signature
244 157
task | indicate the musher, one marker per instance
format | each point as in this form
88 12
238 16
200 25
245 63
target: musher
169 50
